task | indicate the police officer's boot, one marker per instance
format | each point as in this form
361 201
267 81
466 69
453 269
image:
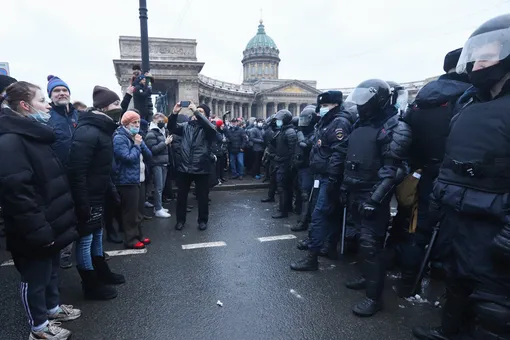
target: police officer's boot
406 283
282 204
303 244
303 219
451 319
268 199
374 271
308 263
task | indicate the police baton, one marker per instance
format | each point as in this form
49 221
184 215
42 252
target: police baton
343 230
427 257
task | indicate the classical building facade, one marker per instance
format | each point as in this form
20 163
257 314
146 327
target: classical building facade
176 70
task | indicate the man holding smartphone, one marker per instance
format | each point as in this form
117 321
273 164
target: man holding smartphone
196 160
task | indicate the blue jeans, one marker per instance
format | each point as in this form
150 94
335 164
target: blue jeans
87 247
323 220
237 164
159 174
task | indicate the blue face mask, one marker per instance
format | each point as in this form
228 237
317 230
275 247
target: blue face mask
279 123
323 111
40 116
134 130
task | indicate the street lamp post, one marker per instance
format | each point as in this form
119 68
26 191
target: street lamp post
144 36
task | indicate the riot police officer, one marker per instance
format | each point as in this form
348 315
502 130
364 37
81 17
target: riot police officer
284 142
327 164
429 117
307 120
268 158
473 189
378 147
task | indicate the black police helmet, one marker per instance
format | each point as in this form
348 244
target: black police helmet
285 116
306 117
295 121
329 97
371 97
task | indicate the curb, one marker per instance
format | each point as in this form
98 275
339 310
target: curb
234 187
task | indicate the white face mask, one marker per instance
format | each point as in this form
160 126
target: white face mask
260 124
40 116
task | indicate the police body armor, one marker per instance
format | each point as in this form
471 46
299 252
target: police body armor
363 159
478 148
302 155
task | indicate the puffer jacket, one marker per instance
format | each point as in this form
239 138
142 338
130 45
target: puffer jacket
127 157
195 156
35 196
155 141
256 135
63 122
237 139
90 163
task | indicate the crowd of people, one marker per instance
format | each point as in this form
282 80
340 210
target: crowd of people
68 171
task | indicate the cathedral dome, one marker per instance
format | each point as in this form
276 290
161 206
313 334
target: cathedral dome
261 39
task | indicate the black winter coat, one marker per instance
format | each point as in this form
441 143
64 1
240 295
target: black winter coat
90 163
141 96
35 196
195 154
237 139
155 141
284 142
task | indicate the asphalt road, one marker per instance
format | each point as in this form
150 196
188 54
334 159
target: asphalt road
172 293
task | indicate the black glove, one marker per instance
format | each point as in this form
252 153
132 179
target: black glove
332 189
501 245
434 212
367 209
343 197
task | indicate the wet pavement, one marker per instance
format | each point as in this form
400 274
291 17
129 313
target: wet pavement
172 293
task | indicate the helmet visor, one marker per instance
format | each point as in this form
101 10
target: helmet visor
402 99
361 95
305 120
491 46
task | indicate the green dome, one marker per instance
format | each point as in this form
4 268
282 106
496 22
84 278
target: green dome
261 39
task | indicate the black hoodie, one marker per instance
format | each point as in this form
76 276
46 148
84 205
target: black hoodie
34 192
90 162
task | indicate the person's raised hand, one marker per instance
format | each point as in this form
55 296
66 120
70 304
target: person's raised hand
138 139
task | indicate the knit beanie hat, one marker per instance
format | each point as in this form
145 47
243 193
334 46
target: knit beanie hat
102 97
54 82
129 117
219 123
5 81
206 109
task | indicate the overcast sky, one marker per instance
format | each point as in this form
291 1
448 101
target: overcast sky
338 43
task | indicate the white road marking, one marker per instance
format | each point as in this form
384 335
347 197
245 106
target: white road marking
111 253
293 292
204 245
7 263
276 238
126 252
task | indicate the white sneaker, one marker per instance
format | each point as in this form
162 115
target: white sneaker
51 332
149 205
65 313
165 209
162 214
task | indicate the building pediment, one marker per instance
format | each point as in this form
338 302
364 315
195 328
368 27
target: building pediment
294 87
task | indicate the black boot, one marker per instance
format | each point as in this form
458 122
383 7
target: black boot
374 272
104 273
303 219
492 321
451 319
303 244
358 283
308 263
93 288
267 200
282 204
406 283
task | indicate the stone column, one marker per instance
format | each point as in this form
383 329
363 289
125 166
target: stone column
264 109
276 106
188 90
287 106
223 107
248 107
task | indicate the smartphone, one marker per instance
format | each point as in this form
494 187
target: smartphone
185 103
